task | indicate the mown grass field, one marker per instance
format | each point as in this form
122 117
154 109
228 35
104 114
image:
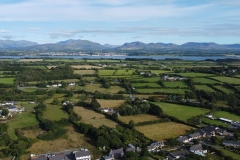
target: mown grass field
162 131
136 85
7 80
84 72
54 113
175 84
91 117
30 60
60 97
138 118
110 103
98 87
21 120
205 81
124 72
89 78
160 71
163 90
214 122
229 80
204 87
72 140
224 89
180 111
84 66
223 114
106 72
150 79
192 74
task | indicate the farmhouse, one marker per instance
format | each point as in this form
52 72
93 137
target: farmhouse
177 155
231 143
11 108
118 153
198 149
155 145
82 154
183 139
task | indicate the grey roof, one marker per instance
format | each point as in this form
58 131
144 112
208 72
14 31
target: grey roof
117 151
196 147
181 139
130 149
41 158
178 153
82 153
196 134
57 157
231 142
10 107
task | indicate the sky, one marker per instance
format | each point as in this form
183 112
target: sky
119 21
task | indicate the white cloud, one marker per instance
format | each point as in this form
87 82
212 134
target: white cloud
96 10
4 31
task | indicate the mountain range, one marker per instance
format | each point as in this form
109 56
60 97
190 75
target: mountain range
85 45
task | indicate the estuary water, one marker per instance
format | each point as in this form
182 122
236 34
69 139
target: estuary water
193 58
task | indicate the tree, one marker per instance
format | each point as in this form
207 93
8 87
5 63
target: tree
5 112
144 152
131 124
131 156
55 102
94 104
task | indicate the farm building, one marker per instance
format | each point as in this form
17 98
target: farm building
226 120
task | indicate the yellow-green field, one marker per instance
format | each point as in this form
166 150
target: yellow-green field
138 118
110 103
84 66
54 112
98 87
91 117
83 72
162 131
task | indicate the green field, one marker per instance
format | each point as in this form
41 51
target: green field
223 114
224 89
84 72
7 80
229 153
21 120
205 81
106 72
156 85
160 71
161 90
214 122
181 112
124 72
150 79
175 84
192 74
204 87
228 80
41 67
54 112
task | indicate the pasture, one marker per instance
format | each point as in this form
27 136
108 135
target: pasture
180 111
224 89
205 88
146 85
163 90
84 66
30 60
162 131
91 117
205 81
228 80
193 74
175 84
7 80
124 72
84 72
65 143
54 113
110 103
160 72
98 87
213 122
21 120
138 118
106 72
147 79
223 114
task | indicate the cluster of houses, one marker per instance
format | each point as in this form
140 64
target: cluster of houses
11 107
234 124
60 85
119 153
169 78
81 154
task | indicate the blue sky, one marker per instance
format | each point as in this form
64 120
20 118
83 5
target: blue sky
120 21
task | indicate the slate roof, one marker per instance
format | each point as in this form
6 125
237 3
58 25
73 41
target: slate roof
57 157
117 151
181 139
196 147
196 134
179 153
82 153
